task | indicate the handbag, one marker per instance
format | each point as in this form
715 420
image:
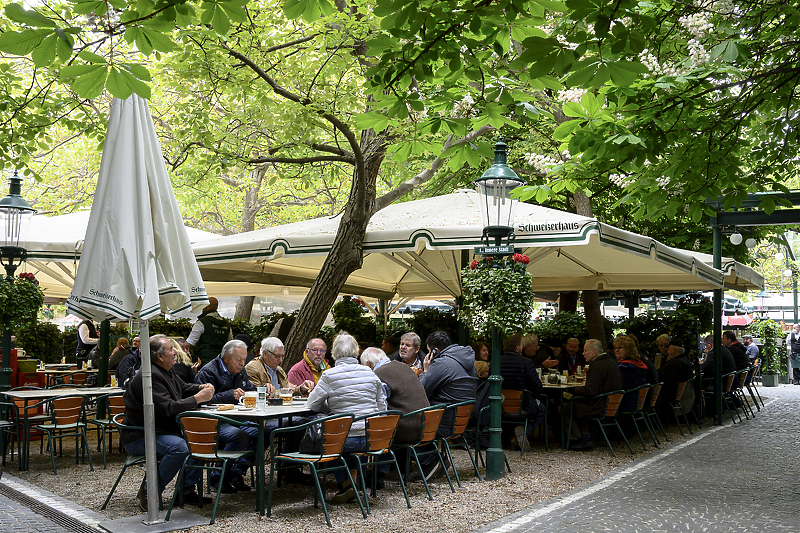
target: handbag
311 442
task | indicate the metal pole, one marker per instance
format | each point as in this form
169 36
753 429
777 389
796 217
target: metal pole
495 456
5 371
102 372
719 294
149 425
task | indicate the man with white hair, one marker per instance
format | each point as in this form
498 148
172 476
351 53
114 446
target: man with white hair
409 351
265 370
226 373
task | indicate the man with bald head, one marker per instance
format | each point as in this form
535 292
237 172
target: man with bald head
209 334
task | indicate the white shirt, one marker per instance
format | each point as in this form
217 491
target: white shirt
83 333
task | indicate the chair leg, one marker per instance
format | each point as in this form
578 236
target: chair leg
421 473
111 492
353 484
608 442
88 455
178 488
471 458
675 414
318 492
444 467
219 491
363 481
402 482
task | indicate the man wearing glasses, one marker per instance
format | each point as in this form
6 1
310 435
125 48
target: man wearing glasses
265 370
311 367
662 343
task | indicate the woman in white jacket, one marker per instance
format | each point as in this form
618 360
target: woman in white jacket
348 387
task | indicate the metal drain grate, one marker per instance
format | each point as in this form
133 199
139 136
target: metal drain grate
63 520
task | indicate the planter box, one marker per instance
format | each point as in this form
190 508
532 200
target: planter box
770 380
785 379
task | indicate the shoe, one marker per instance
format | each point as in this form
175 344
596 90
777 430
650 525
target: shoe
238 484
297 477
141 498
519 431
433 471
581 445
380 483
227 487
192 498
344 495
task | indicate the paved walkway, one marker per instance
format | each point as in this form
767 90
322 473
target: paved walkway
723 479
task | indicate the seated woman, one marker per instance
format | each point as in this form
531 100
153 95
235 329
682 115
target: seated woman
183 363
348 387
632 369
119 353
482 359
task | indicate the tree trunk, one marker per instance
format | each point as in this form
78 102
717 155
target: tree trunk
347 252
244 306
590 299
568 301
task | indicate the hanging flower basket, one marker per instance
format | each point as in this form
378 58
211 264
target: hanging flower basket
21 298
497 292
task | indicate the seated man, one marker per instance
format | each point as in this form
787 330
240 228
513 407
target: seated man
603 376
737 349
409 353
312 365
519 373
170 397
226 373
676 369
707 368
448 377
265 370
571 358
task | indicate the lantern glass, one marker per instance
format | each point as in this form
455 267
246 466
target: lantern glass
15 223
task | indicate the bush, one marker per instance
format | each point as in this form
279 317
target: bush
42 340
566 325
771 354
429 319
171 328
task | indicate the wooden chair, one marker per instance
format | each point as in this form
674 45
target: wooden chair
68 420
513 414
737 393
457 439
379 429
727 383
752 387
34 415
651 415
611 401
130 460
334 431
638 413
114 405
431 418
201 432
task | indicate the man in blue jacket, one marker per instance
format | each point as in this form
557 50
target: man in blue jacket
226 373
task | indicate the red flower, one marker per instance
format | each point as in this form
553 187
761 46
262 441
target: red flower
474 264
524 259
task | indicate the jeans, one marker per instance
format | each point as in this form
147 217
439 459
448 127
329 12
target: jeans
174 450
352 444
235 439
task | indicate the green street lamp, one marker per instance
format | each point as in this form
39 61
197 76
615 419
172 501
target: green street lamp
494 189
15 218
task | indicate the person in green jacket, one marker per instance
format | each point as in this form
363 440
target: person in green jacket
209 334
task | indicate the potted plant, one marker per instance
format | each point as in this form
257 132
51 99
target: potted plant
20 299
771 335
498 293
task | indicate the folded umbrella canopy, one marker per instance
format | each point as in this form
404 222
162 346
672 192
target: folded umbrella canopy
137 261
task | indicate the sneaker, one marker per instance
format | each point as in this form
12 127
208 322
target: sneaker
141 498
238 484
519 431
433 471
227 487
344 495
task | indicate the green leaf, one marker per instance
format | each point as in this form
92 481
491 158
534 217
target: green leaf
727 50
235 13
160 42
45 53
373 120
90 85
294 8
591 103
84 8
552 5
73 71
90 57
33 18
137 70
625 72
574 109
22 43
64 48
117 85
565 129
220 22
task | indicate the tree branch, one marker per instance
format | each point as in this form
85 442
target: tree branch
408 186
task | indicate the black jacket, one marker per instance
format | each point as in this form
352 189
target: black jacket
739 353
224 382
451 378
519 372
170 397
603 376
674 371
728 364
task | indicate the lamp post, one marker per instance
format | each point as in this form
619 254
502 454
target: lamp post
15 218
494 189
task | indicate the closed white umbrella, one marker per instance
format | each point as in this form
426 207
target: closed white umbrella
137 260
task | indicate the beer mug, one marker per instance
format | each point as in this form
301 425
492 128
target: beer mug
249 399
286 396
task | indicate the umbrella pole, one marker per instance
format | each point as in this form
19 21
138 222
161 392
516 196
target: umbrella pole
149 426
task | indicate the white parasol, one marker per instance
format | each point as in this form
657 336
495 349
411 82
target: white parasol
137 261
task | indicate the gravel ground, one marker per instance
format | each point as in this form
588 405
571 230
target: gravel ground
536 476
